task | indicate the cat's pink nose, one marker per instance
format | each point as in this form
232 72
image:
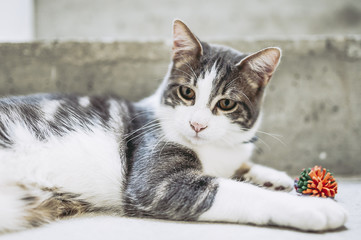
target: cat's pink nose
197 127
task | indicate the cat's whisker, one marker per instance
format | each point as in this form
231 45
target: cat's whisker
160 152
145 128
133 136
141 137
142 113
156 145
275 136
149 124
149 130
268 147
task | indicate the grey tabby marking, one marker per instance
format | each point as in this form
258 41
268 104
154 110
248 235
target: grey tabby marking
160 184
68 116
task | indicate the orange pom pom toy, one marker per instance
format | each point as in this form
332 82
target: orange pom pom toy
316 181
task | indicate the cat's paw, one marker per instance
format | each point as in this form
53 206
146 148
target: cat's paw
270 178
278 182
315 214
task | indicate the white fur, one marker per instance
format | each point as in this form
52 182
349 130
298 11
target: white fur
260 175
14 211
244 203
204 88
70 162
49 108
84 101
223 162
11 209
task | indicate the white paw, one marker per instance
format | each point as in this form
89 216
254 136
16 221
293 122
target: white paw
270 178
315 214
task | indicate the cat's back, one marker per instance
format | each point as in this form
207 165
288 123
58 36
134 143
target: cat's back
71 142
45 116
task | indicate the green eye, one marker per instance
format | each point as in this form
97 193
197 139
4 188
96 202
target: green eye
226 104
187 93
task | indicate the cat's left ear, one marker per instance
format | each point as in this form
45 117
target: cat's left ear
263 63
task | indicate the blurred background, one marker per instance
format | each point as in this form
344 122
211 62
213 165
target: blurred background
24 20
312 108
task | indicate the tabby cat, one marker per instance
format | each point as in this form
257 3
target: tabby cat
181 154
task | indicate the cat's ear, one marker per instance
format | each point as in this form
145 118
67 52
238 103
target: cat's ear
185 43
263 63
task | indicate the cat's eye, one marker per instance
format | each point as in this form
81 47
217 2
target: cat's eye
186 93
226 104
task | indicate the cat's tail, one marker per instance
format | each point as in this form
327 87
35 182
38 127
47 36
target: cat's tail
25 206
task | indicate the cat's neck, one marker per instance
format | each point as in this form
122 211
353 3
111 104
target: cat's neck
223 162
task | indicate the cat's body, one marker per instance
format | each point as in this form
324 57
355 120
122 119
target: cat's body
169 156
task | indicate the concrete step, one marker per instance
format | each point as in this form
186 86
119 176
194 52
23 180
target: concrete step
313 100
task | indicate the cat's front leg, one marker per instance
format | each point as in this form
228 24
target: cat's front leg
264 177
188 195
171 185
244 203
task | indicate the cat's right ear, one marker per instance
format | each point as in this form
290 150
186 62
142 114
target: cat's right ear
185 43
263 63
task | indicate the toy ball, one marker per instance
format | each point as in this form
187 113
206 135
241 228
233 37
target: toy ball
317 182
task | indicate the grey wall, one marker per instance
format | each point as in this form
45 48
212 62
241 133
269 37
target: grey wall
313 101
136 19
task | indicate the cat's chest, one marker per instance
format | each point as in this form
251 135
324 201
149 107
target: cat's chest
223 162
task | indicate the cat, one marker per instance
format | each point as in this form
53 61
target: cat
181 154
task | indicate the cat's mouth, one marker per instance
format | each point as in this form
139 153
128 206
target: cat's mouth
196 139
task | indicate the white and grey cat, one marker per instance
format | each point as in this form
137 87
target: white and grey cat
180 154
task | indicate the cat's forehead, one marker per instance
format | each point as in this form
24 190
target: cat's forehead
206 86
222 54
218 69
216 59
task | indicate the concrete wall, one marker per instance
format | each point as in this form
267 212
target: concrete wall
227 19
313 101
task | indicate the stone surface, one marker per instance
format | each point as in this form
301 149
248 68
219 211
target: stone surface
135 19
109 228
313 100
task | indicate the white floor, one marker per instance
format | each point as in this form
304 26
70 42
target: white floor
124 228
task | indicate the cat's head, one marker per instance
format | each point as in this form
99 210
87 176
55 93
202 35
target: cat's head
213 94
